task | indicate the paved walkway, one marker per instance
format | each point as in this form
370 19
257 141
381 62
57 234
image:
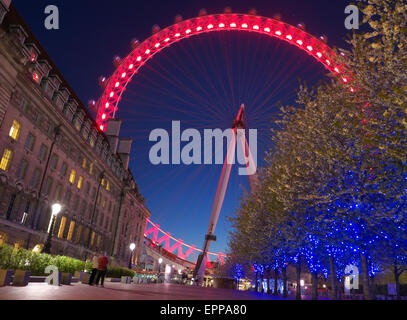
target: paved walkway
120 291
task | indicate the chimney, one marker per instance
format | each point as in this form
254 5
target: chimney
124 151
4 8
112 133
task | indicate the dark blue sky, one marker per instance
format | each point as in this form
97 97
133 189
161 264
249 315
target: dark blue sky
200 81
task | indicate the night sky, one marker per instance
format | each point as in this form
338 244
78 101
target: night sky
200 81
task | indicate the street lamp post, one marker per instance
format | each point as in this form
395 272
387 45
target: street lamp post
132 247
56 208
160 260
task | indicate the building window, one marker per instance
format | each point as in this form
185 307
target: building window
107 186
103 182
35 178
92 239
29 142
43 152
83 209
104 203
70 231
87 188
62 227
22 169
58 192
72 176
84 163
48 185
64 168
68 196
54 161
15 130
86 234
75 203
6 159
78 234
80 182
98 241
91 168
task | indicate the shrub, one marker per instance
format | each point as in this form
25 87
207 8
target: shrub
37 262
118 272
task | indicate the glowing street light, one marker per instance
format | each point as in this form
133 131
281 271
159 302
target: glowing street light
160 260
132 247
55 209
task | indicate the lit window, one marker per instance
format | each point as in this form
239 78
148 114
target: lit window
103 182
99 240
6 159
92 239
72 176
70 231
84 163
107 186
62 227
15 130
91 168
80 182
78 234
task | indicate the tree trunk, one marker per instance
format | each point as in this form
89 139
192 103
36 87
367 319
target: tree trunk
314 286
298 289
284 273
340 289
397 281
365 277
261 282
334 280
256 286
275 282
372 289
268 281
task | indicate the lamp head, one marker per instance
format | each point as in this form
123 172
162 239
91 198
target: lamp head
132 246
56 208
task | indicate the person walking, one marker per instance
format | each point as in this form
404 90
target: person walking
95 267
103 261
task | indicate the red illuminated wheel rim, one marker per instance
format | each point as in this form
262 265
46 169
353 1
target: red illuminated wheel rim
129 66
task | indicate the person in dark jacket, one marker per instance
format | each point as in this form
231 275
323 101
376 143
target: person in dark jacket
95 267
102 270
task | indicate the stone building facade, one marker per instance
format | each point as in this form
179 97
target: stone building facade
52 151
